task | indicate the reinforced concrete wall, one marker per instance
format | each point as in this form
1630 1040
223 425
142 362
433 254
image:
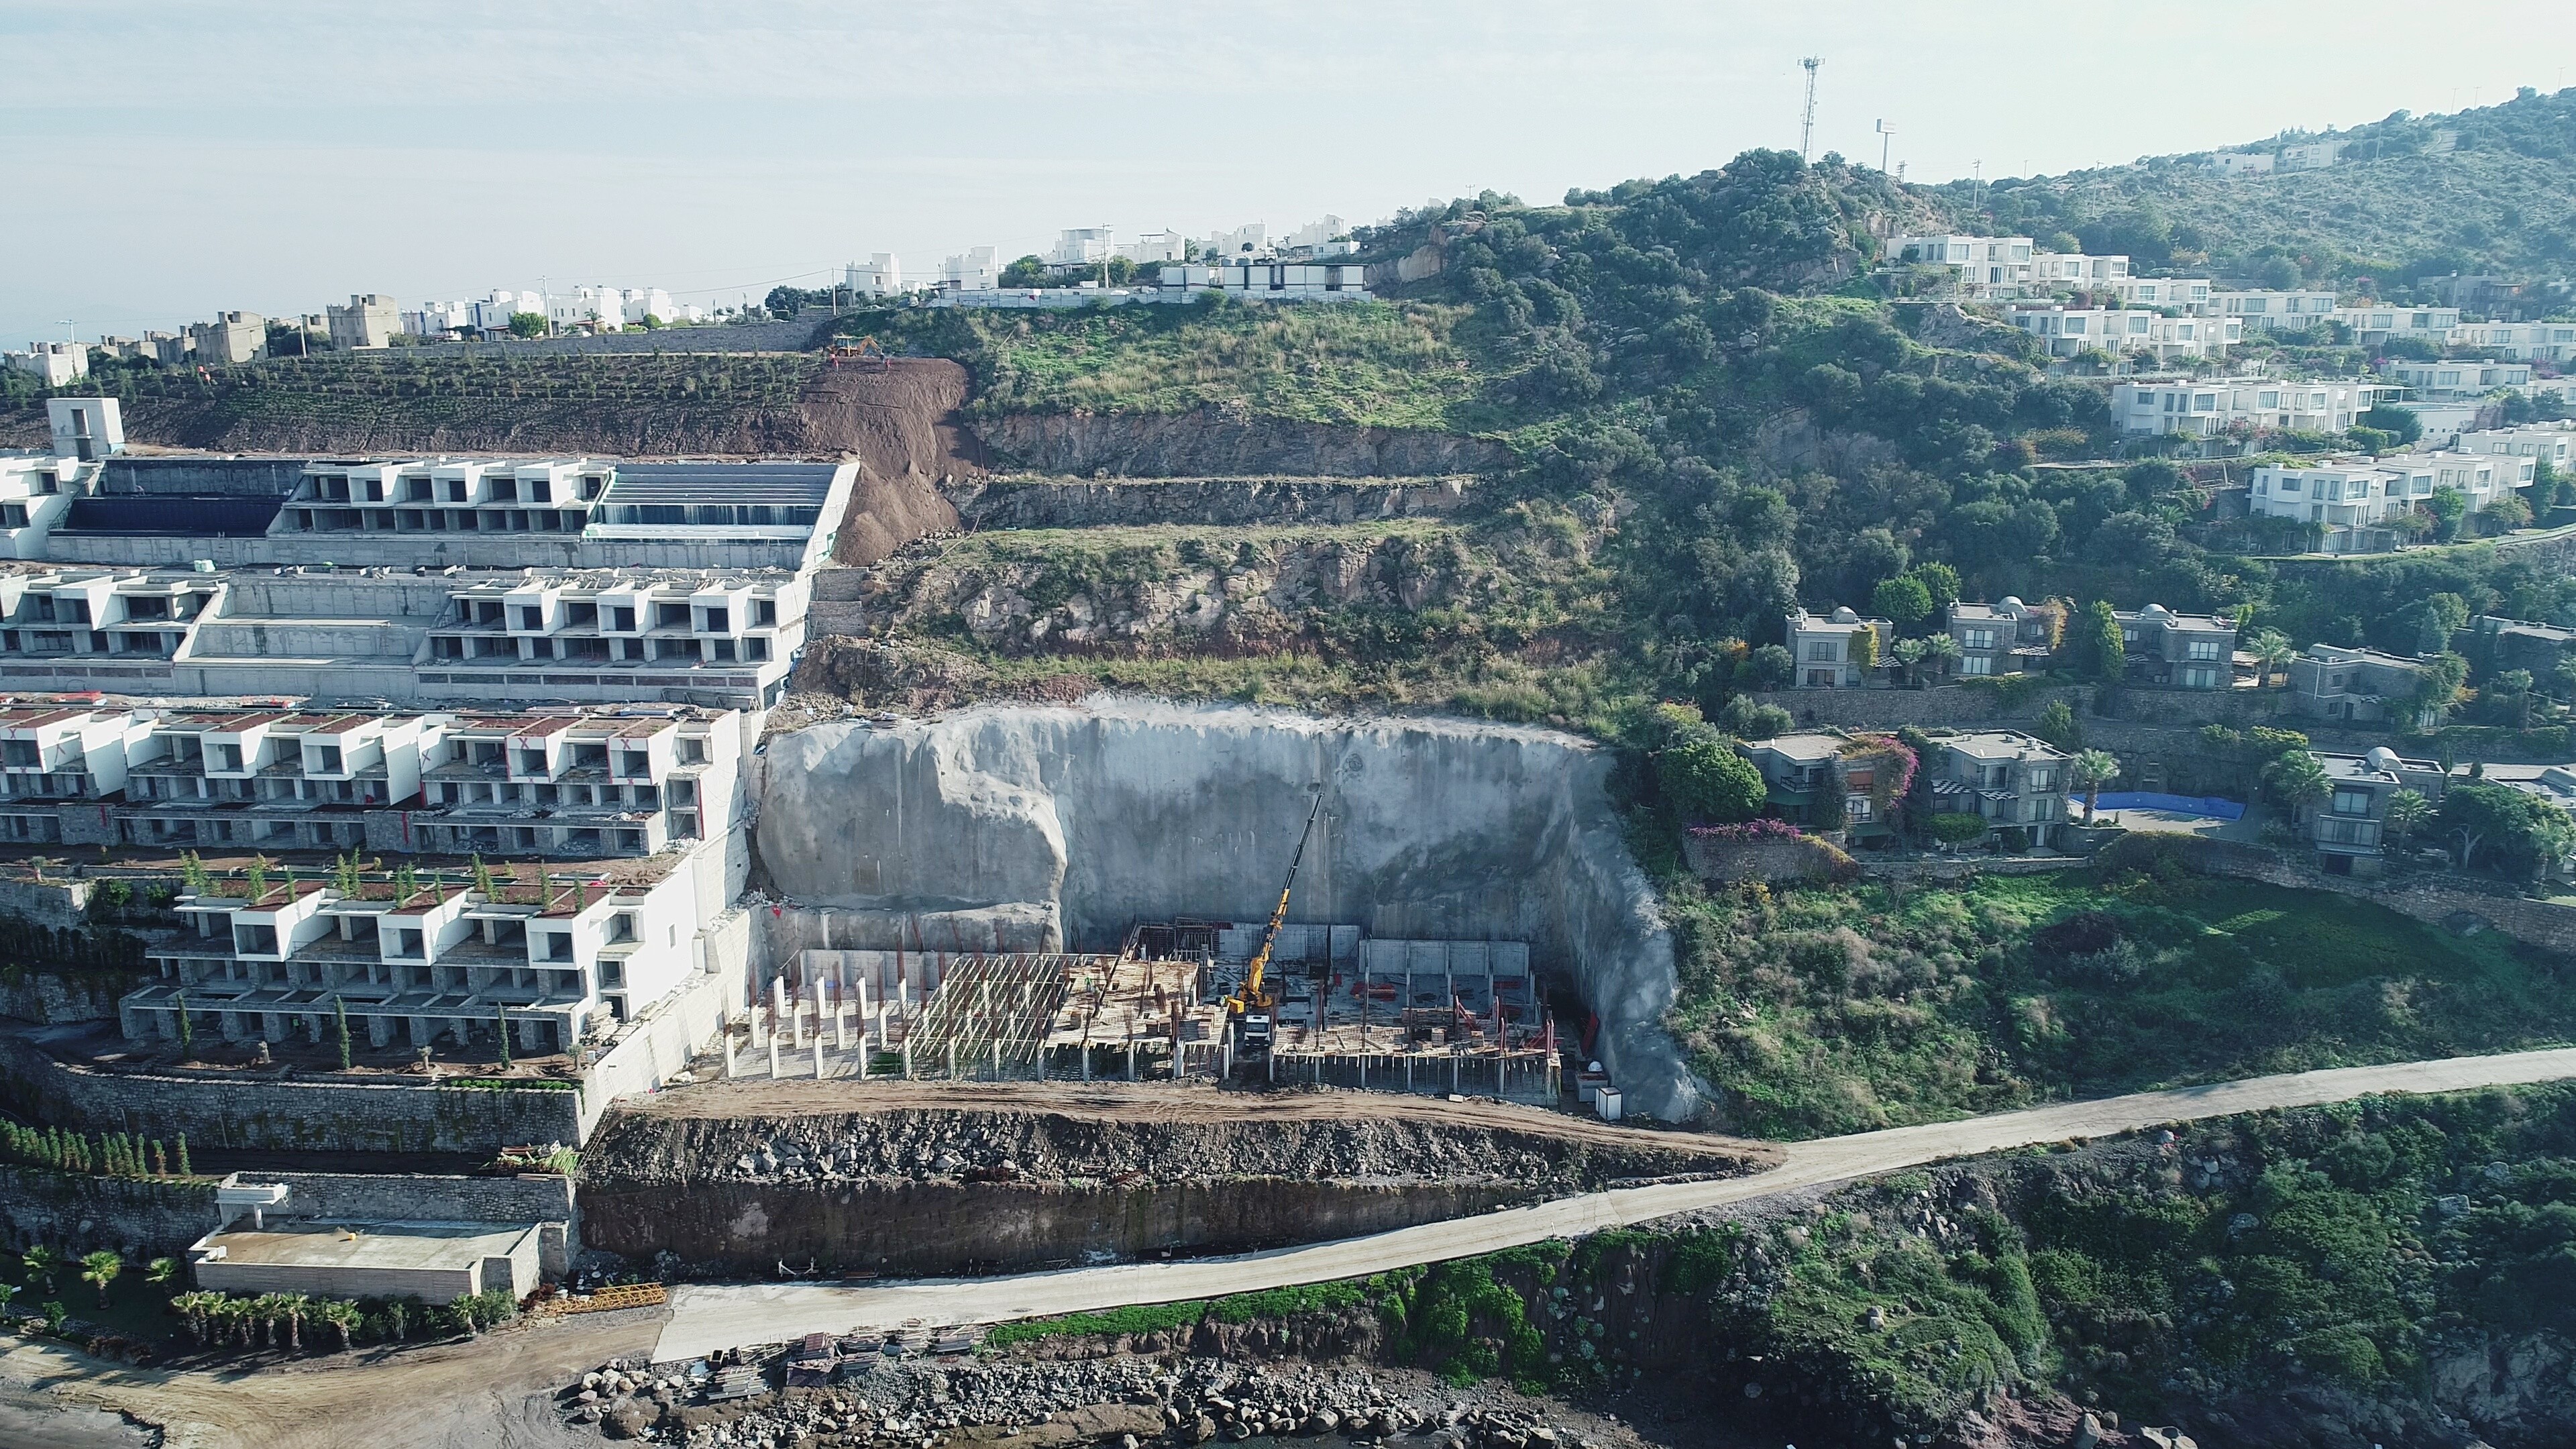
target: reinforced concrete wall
1120 810
543 1198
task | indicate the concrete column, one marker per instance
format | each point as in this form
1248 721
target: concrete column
840 1028
230 1022
997 1059
818 1053
774 1073
1131 1059
380 1031
531 1034
422 1033
1453 1073
952 1061
313 1027
726 1039
1086 1060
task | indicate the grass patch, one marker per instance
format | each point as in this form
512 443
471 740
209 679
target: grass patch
1841 1009
1189 1313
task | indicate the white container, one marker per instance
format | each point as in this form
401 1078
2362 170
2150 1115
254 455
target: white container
1606 1102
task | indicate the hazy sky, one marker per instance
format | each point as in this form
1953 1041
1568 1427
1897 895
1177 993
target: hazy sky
171 158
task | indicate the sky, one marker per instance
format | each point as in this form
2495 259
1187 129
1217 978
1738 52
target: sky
175 158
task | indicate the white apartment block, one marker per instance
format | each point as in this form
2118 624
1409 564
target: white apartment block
232 337
2314 156
2275 311
2458 381
2243 163
641 621
55 364
1155 248
2191 294
2205 408
2068 331
2378 322
85 429
596 309
2051 271
652 303
2551 443
2519 341
1083 246
973 270
493 313
368 322
1240 244
2365 492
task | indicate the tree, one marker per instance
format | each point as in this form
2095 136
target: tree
1902 601
527 324
343 1317
1028 271
2099 651
2272 653
2528 834
2407 811
1864 648
100 1269
2091 770
1747 719
1938 651
1769 667
2448 506
197 1308
1940 583
2438 689
2057 725
2397 422
187 1044
7 1292
41 1264
2296 780
292 1307
1704 779
1908 653
160 1270
340 1023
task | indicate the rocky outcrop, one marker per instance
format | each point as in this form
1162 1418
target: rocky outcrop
1036 502
1228 443
1121 811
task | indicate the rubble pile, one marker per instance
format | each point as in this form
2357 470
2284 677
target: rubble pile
1125 1401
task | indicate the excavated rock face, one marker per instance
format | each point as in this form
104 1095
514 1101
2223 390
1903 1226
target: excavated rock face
1121 811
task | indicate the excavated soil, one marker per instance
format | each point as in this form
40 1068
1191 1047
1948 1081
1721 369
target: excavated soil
899 422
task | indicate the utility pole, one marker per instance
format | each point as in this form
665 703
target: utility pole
1885 133
1807 121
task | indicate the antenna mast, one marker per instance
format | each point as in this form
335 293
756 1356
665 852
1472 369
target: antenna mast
1807 122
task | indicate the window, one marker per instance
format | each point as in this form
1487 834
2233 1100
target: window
1979 639
692 751
764 611
1824 650
621 926
1976 664
621 621
2351 802
1858 808
2042 779
558 946
2207 649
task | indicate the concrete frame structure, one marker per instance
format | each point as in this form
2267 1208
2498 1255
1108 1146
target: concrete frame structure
1826 649
2010 637
2185 651
2211 406
2363 686
2011 779
2346 827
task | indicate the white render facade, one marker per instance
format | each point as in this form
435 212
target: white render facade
2208 407
2069 331
2265 311
2370 492
2551 443
2458 381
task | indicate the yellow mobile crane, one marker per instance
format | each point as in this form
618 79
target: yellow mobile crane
1252 1007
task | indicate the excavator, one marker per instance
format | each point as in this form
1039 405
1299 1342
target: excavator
1253 1008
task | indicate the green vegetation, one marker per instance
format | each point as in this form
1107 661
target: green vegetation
1837 1009
1363 364
1172 1317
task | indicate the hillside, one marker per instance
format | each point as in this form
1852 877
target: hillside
2501 202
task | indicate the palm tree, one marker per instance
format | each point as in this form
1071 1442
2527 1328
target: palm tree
232 1318
264 1309
100 1269
2272 653
292 1307
2296 780
42 1262
1908 653
7 1292
161 1270
196 1307
1938 651
2092 770
2408 811
343 1317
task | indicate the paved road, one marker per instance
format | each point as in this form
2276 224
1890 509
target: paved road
712 1317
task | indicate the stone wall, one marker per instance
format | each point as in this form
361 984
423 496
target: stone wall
1804 858
1964 704
50 997
55 903
78 1212
223 1110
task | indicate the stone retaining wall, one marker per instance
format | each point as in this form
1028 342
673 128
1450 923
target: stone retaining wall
529 1197
1805 858
2432 898
77 1212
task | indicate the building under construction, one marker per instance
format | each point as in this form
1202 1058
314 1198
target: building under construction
1350 1010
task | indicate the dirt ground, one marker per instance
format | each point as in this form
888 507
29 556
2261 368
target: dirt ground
489 1393
1193 1105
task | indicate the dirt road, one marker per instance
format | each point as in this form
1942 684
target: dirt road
712 1317
490 1393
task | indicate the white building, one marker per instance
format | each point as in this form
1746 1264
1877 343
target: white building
1315 233
2204 408
2458 381
972 270
2442 422
2551 443
439 319
232 337
85 428
640 303
2366 492
1083 246
1986 265
2519 341
368 322
54 363
2242 163
592 309
2274 311
2314 156
1237 245
2067 331
1828 650
2051 271
493 313
2191 294
1155 248
880 276
2378 322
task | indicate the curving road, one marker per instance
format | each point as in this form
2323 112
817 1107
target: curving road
706 1318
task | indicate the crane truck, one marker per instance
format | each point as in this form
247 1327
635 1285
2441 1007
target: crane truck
1253 1010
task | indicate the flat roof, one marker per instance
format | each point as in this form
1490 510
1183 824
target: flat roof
1807 745
413 1246
794 485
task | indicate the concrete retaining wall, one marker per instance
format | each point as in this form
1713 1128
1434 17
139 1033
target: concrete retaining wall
78 1213
534 1197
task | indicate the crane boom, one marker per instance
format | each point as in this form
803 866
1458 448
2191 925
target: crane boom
1253 994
